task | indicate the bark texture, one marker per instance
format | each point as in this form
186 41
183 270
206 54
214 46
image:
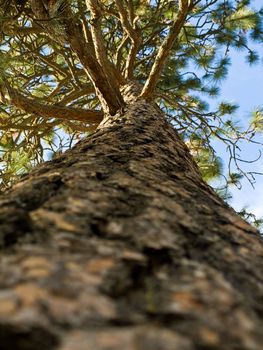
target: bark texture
119 244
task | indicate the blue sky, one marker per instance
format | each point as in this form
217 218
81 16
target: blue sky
244 86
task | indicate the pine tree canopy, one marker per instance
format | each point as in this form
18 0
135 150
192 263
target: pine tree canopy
63 64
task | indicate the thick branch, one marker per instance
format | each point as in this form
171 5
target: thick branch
54 111
110 98
106 92
118 54
86 90
164 50
99 46
133 35
100 50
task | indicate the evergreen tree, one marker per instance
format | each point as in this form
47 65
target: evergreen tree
118 243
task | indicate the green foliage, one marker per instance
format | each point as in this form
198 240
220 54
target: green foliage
242 18
252 57
210 164
257 120
227 108
252 219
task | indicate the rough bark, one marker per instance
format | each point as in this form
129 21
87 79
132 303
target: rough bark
119 244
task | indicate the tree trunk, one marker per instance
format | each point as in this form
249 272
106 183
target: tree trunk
119 244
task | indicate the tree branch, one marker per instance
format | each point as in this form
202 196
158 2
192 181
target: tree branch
95 23
46 111
109 96
164 50
75 94
98 42
133 34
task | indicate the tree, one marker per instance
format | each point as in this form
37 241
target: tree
118 243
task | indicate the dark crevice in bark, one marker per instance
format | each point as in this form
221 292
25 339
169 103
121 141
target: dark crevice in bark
15 218
27 338
15 225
